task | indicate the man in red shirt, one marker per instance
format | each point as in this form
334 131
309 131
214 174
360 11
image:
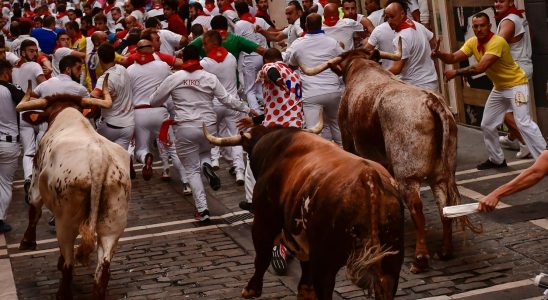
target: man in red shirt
174 22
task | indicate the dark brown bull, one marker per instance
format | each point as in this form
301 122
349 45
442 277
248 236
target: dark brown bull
331 208
409 130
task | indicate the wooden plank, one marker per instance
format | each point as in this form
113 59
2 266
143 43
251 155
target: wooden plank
472 3
476 97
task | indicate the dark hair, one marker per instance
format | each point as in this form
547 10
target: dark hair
2 41
197 6
61 34
106 53
4 66
27 43
296 4
152 22
24 27
147 34
191 52
68 61
219 22
403 3
481 15
171 4
100 17
313 22
61 7
197 30
96 11
48 21
116 8
213 36
272 54
349 1
133 36
72 25
241 7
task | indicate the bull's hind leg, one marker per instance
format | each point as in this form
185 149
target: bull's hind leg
443 191
35 212
306 287
266 226
66 236
105 250
414 204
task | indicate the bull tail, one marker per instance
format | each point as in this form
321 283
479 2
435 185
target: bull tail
87 228
361 262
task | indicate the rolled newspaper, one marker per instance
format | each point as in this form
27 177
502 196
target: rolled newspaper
460 210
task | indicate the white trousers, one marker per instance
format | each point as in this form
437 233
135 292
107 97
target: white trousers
515 98
193 150
9 154
216 151
227 118
147 126
252 64
120 136
30 137
249 182
330 104
167 152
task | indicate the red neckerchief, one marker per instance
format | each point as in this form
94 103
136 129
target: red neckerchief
90 3
202 13
163 136
223 33
141 9
20 62
331 20
406 23
247 17
191 65
482 42
353 17
323 2
511 10
210 6
132 49
218 53
90 30
121 34
76 37
60 15
107 7
29 14
141 58
227 7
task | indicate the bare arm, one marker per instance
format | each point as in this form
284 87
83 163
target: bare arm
526 179
40 78
486 61
397 66
79 54
449 58
507 31
271 35
367 25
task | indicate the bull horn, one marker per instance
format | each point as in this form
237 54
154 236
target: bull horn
318 127
106 103
235 140
392 56
319 68
29 103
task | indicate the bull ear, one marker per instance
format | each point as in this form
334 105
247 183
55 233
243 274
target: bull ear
34 118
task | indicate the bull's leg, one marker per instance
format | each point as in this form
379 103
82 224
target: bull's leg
66 236
414 204
35 212
105 250
324 279
264 231
306 286
441 193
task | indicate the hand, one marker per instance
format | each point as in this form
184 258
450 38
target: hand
244 123
436 51
449 74
253 113
259 29
488 203
281 84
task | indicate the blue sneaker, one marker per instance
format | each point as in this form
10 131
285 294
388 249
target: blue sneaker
4 227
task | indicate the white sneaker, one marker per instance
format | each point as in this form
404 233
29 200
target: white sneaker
165 175
523 151
186 189
240 178
215 164
508 143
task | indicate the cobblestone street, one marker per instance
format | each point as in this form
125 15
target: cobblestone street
164 254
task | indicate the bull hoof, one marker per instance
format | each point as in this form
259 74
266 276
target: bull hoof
445 255
250 293
27 245
419 265
64 295
306 292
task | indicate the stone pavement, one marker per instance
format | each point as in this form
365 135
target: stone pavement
164 254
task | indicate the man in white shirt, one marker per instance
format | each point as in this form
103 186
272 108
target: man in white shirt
198 16
192 90
117 123
322 90
293 31
341 30
416 67
66 82
28 69
157 12
252 62
224 65
227 10
169 40
24 29
382 38
350 11
63 43
146 74
375 13
114 19
9 140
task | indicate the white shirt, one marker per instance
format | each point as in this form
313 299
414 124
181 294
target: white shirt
343 31
121 113
247 30
376 17
60 84
138 15
412 5
169 41
382 38
57 56
60 22
8 115
29 70
419 69
232 18
521 51
312 50
213 12
226 72
16 43
145 79
205 21
192 95
159 14
293 32
11 58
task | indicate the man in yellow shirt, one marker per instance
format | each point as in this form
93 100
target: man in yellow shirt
510 89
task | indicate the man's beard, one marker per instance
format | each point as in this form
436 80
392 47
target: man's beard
74 77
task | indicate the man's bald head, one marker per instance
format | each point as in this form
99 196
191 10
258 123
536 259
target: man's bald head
394 7
331 9
313 22
394 14
145 46
98 38
130 22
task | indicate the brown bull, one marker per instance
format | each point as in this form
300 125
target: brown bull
409 130
83 179
331 208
